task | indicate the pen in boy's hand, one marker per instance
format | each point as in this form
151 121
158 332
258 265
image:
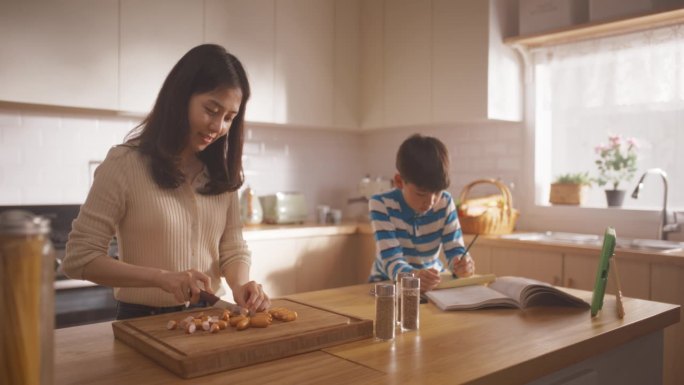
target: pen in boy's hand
467 250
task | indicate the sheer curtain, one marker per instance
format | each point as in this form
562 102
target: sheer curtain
630 85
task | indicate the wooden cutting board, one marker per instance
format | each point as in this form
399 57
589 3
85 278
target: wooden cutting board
201 353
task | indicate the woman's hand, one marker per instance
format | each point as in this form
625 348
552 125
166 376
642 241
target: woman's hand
429 279
184 284
251 296
464 267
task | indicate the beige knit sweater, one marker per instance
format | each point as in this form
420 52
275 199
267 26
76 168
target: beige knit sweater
171 229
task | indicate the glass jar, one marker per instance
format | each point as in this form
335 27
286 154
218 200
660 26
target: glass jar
26 299
384 311
410 303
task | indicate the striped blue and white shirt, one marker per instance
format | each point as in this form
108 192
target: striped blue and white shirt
406 241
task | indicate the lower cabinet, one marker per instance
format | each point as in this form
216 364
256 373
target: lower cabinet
579 272
543 266
366 251
293 265
638 279
286 266
482 257
574 270
667 285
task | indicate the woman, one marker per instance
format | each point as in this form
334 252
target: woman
169 194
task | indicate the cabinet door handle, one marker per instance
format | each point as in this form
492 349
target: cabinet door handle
556 280
570 282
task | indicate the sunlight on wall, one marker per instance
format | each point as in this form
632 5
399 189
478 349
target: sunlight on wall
280 100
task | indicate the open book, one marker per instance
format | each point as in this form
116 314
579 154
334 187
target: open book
503 292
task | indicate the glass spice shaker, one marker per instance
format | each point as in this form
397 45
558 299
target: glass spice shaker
27 264
384 311
410 301
398 291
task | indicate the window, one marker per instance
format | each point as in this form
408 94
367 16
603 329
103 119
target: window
630 85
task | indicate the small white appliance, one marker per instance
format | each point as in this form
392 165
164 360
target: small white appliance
284 208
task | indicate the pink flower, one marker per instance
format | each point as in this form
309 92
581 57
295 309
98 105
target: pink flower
616 162
615 140
599 148
632 143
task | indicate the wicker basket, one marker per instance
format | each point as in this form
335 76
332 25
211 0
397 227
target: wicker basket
493 214
567 194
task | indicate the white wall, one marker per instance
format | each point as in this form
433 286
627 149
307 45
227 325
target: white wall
45 156
478 150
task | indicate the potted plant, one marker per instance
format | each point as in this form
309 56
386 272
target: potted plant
617 163
570 188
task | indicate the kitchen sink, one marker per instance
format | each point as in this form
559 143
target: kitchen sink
651 244
556 237
596 240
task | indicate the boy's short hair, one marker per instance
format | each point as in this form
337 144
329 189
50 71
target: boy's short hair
424 162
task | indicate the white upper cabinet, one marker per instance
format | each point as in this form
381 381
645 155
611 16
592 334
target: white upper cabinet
438 61
155 34
62 53
304 62
505 67
247 30
408 62
346 63
301 57
460 34
311 63
372 60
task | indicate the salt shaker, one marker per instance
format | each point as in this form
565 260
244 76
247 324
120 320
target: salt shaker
398 291
410 301
384 311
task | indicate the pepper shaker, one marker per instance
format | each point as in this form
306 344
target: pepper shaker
384 311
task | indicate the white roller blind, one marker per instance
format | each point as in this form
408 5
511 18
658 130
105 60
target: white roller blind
630 85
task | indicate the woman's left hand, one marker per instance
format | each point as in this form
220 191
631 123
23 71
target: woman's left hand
464 267
251 296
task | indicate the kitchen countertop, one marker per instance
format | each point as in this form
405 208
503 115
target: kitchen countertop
675 257
304 230
502 346
262 232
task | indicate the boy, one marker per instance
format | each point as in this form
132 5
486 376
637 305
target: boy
412 221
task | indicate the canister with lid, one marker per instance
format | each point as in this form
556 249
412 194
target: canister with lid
410 303
384 311
398 291
26 299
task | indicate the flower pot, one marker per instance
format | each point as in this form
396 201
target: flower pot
615 197
567 194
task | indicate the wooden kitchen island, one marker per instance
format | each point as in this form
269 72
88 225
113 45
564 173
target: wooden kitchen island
497 346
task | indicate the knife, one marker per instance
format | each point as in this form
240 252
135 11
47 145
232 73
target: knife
215 301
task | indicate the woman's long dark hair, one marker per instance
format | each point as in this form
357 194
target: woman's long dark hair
165 132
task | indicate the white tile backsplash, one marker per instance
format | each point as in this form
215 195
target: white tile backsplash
44 157
324 165
482 150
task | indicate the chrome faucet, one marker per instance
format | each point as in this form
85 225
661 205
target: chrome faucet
664 228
